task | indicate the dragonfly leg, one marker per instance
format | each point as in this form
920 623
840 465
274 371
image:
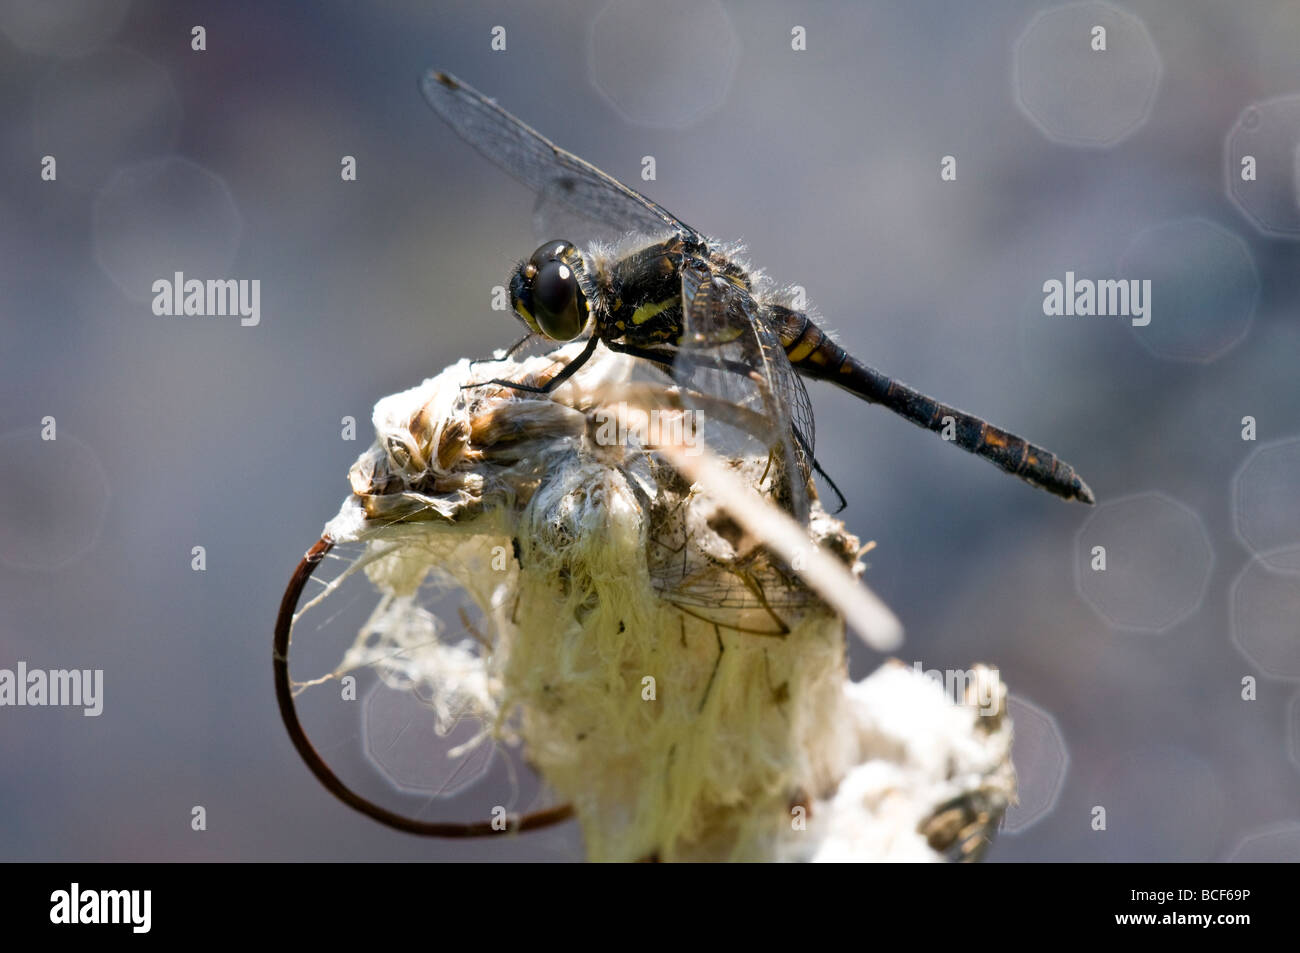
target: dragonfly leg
510 350
831 483
569 370
663 358
668 358
824 475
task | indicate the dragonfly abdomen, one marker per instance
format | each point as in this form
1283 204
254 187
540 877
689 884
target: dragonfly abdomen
815 355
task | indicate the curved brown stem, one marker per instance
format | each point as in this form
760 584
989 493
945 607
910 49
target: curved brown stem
289 714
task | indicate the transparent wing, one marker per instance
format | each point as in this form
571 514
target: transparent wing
729 351
700 561
559 177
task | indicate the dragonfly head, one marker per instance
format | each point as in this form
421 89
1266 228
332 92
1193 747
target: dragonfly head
547 291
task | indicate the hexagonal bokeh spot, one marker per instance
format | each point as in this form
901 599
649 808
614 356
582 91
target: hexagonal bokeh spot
1163 804
1264 511
55 499
402 741
1263 165
1203 293
97 112
1276 844
665 63
1078 95
1038 751
1156 556
1265 617
61 27
162 216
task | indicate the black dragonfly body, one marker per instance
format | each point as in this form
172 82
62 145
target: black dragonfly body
683 303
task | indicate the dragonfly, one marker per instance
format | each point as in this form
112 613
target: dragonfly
689 306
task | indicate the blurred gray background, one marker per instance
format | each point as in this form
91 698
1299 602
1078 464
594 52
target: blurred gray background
175 432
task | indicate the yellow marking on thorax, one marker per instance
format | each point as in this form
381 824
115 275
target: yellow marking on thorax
647 311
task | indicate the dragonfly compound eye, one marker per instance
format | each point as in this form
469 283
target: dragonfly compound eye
558 303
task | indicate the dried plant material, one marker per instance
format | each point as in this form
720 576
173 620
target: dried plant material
664 645
930 779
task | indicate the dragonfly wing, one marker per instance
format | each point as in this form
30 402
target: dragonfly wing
556 175
729 351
